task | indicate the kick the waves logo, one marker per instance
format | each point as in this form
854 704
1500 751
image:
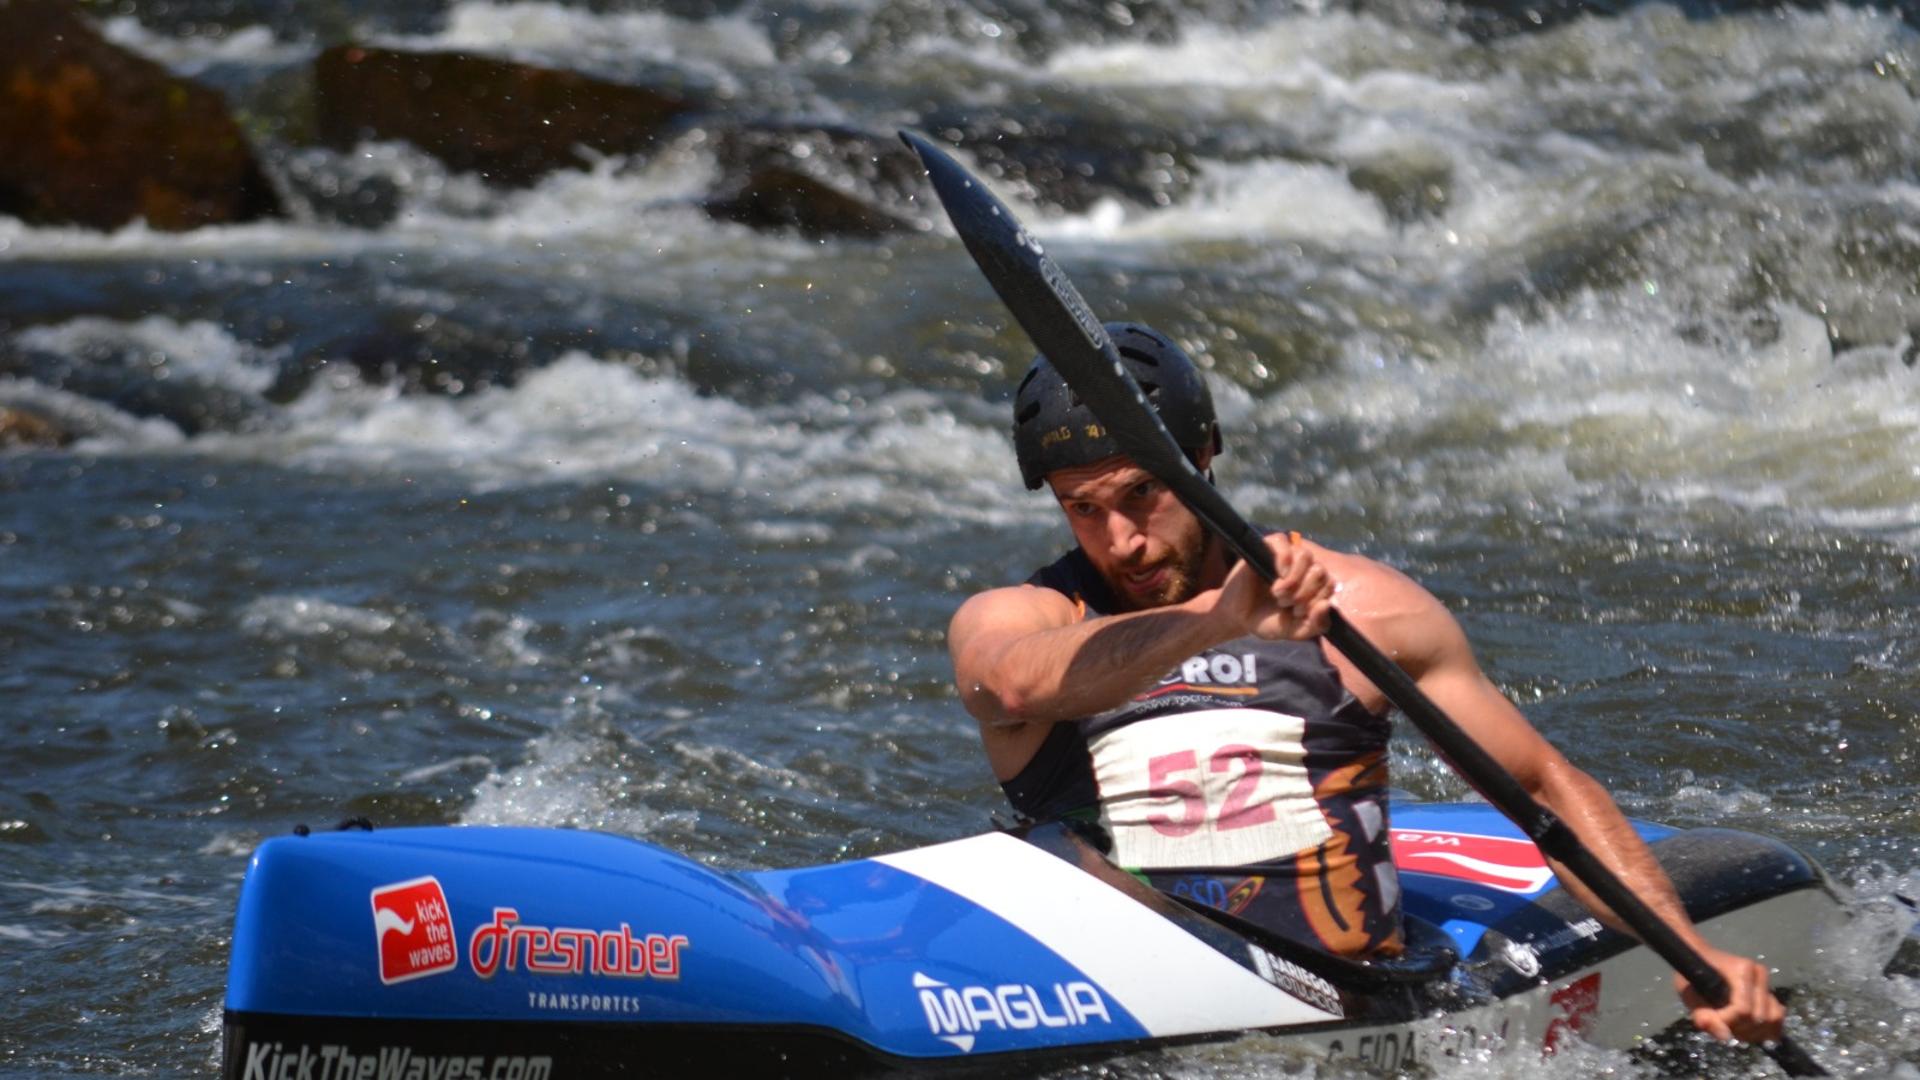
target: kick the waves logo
960 1014
334 1061
412 931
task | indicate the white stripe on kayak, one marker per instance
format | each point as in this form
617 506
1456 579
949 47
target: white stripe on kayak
1172 982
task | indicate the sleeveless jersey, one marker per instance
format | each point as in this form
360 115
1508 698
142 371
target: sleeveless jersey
1248 779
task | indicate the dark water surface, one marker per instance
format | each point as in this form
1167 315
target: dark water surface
1605 332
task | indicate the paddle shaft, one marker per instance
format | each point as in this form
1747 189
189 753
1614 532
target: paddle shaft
1550 834
1468 758
1047 306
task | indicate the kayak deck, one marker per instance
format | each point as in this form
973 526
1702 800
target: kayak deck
533 953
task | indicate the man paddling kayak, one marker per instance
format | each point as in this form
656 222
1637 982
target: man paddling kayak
1150 685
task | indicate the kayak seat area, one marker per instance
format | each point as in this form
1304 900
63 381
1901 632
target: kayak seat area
1429 954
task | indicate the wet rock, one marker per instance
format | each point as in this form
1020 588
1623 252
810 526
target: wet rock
779 196
1031 30
1410 187
818 181
336 189
442 356
1489 20
194 406
510 122
22 831
97 136
140 381
19 427
1073 158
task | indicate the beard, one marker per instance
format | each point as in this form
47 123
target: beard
1183 564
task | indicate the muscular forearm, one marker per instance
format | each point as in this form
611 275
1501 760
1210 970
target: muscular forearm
1092 666
1412 627
1589 811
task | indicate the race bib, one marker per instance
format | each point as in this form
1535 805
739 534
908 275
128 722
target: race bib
1217 787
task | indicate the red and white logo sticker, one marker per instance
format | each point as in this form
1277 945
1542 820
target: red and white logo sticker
413 930
1576 1004
1514 866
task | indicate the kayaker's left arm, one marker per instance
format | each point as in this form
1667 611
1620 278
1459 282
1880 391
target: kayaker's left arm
1412 627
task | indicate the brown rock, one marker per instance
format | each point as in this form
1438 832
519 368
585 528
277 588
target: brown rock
1074 158
782 197
1411 186
819 181
19 428
507 121
97 136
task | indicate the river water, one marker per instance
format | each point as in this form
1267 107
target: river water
1604 330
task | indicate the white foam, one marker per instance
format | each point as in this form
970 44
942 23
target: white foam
1708 804
502 639
1316 53
28 935
192 54
309 616
578 417
65 897
441 768
713 47
608 202
1270 199
98 427
230 845
609 209
135 240
582 418
198 350
1879 923
788 532
572 778
1753 50
1611 402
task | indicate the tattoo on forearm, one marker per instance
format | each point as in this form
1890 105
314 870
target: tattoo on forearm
1113 647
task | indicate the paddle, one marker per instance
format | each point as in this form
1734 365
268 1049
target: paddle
1053 314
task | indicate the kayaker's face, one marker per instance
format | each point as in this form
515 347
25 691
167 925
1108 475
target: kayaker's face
1149 547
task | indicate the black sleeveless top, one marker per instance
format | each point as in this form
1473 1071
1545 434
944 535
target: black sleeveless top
1248 778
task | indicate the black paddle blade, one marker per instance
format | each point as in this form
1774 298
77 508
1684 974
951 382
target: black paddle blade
1070 336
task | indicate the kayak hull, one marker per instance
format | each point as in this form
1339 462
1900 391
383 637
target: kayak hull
536 953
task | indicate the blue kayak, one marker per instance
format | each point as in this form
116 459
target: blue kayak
524 954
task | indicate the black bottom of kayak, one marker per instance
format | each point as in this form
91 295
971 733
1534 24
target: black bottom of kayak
259 1047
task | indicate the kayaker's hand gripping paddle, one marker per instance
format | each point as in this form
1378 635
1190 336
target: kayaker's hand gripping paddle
1051 311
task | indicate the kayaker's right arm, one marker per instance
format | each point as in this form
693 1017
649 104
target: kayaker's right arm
1026 657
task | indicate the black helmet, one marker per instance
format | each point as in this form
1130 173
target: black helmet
1052 429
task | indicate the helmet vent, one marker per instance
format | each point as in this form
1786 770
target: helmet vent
1032 410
